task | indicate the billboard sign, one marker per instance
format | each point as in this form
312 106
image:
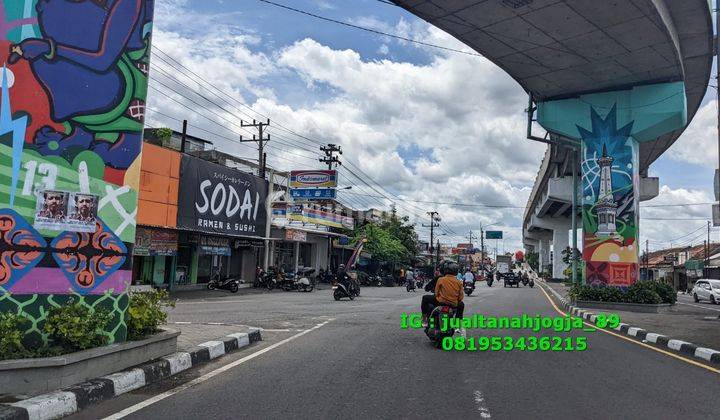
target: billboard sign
220 200
493 234
313 179
307 214
313 193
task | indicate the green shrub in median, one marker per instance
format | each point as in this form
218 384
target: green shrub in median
11 333
146 313
647 292
74 326
642 292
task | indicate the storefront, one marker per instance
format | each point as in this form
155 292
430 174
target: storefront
222 214
154 256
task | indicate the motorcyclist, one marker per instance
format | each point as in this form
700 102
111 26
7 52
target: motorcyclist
410 278
469 277
344 278
448 291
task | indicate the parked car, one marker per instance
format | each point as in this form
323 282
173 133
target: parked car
705 289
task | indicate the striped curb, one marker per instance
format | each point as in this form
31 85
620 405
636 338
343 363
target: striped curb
679 346
78 397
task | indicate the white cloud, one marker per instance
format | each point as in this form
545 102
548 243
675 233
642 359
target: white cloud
699 143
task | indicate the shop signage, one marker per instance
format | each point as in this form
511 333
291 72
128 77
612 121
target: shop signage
313 179
295 235
212 245
221 200
313 193
248 243
151 242
308 214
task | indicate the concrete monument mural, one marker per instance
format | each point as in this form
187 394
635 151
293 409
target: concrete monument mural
71 118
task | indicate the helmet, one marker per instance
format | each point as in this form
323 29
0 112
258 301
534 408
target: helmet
341 266
449 267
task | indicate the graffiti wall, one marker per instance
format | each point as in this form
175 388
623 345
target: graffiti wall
71 117
609 187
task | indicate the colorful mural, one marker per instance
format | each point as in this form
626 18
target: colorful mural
609 196
71 117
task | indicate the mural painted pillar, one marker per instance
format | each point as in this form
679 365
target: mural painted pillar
610 127
71 121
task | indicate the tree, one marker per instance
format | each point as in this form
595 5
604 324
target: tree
390 241
532 259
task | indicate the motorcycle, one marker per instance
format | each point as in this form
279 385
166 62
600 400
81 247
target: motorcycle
532 283
489 281
469 287
272 279
434 329
525 280
410 285
340 291
228 284
302 280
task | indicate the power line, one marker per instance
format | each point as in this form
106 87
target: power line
375 31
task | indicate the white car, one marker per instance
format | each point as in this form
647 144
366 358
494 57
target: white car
705 289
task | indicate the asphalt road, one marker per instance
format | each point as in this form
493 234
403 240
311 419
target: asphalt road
361 364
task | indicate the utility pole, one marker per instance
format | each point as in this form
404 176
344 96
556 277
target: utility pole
433 218
647 259
482 248
330 157
470 238
183 138
707 250
437 253
260 139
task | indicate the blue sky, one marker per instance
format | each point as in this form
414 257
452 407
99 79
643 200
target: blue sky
426 124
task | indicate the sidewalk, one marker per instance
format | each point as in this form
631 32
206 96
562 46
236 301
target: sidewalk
683 322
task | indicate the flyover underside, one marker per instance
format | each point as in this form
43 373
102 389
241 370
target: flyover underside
561 48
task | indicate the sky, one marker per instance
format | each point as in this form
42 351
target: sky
426 124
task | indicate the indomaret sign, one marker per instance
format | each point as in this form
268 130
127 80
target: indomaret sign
221 200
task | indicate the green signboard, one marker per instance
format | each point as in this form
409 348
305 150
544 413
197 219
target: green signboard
493 234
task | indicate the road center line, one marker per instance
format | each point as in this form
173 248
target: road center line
482 407
667 353
699 306
150 401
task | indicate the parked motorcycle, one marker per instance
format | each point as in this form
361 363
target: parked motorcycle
228 284
433 330
302 280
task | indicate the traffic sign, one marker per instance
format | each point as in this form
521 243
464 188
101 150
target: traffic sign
493 234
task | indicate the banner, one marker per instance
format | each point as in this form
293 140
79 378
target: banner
152 242
220 200
312 179
295 235
308 214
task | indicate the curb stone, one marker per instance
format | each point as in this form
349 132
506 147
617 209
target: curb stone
678 346
78 397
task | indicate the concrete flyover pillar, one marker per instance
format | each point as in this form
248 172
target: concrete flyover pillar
610 126
543 254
